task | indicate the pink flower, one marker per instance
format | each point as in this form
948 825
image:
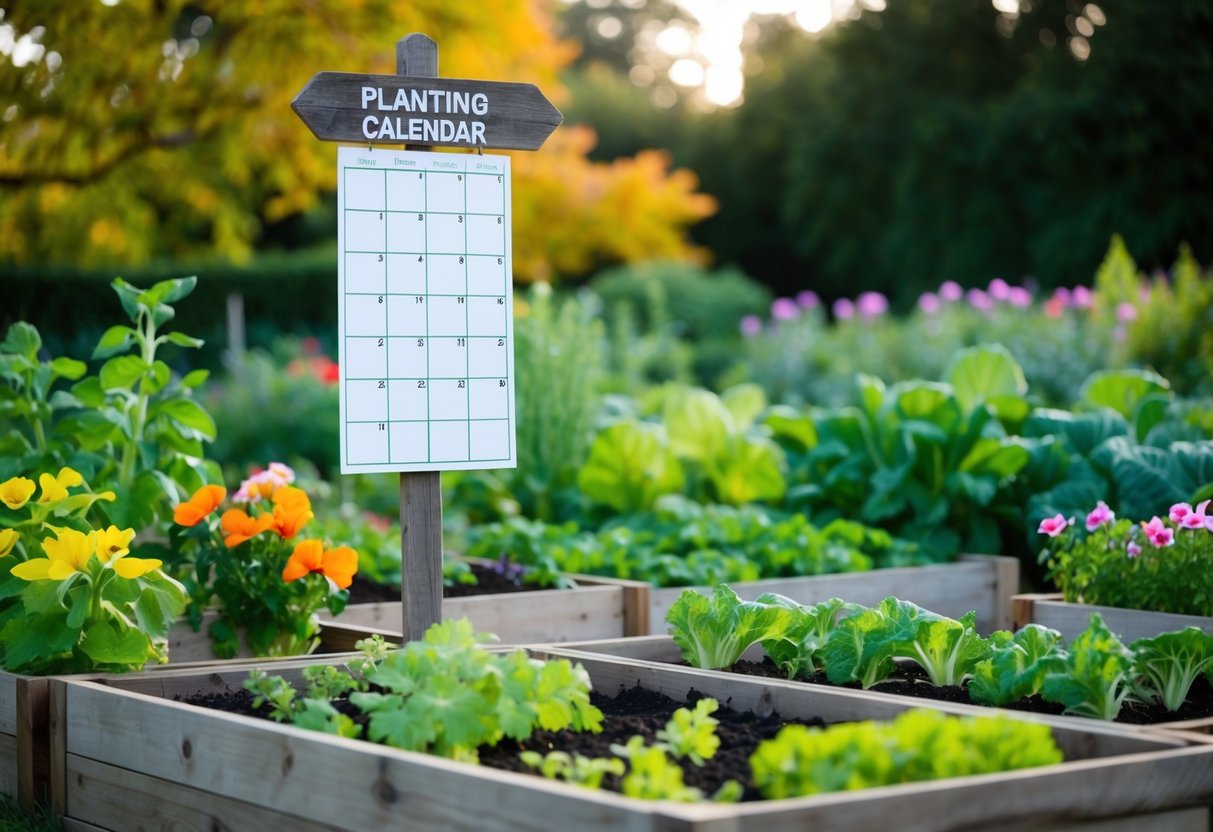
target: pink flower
1179 511
1081 297
1157 533
1019 297
751 326
1099 516
262 483
1053 526
808 300
928 302
1126 312
871 304
844 309
1062 295
1132 549
999 289
979 299
784 309
1196 518
950 291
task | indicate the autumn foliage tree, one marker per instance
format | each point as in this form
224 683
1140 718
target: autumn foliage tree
132 130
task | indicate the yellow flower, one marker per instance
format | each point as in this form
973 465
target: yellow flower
112 543
134 567
16 492
55 488
67 554
8 539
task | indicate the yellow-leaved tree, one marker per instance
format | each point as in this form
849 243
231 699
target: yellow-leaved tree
140 129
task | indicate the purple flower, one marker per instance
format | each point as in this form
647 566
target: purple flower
1062 296
871 304
999 290
950 291
1099 516
1126 312
784 309
1132 549
844 309
928 302
751 326
1019 297
979 299
1081 296
808 299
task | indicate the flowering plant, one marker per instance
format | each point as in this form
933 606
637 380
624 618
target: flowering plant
1157 564
248 563
71 599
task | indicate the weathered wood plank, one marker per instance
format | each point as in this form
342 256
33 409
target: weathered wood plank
983 583
33 738
1070 619
8 703
421 551
8 765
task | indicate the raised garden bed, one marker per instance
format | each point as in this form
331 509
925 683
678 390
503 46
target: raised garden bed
1050 610
983 583
134 758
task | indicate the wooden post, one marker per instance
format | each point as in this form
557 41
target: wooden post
420 492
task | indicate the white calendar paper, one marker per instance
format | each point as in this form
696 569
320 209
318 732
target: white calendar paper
425 311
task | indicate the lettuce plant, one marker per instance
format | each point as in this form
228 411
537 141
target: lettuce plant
1016 665
1094 676
862 646
714 631
948 649
795 651
1169 663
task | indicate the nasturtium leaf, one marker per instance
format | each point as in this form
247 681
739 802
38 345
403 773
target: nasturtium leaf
32 641
105 643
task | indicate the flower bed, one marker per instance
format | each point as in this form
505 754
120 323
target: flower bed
210 769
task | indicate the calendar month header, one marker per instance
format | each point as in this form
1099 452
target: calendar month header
450 112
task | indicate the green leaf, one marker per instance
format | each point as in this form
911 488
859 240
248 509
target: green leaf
183 340
68 368
714 632
195 378
121 372
32 641
128 296
89 392
744 402
1151 412
105 643
748 470
1122 390
795 651
697 423
1094 677
862 646
1171 662
947 649
171 291
22 339
987 374
116 339
787 423
156 379
189 413
630 464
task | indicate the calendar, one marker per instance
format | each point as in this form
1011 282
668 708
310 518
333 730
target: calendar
425 311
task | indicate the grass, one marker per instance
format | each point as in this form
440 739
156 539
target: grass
15 819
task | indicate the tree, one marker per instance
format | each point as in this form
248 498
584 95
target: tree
139 130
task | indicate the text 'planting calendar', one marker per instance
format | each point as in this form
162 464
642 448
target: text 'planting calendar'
425 311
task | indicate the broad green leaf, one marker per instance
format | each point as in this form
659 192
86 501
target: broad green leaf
190 414
1093 678
171 290
744 402
629 466
105 643
89 392
116 339
748 470
128 296
1122 390
1171 662
986 374
22 339
194 378
1151 412
156 379
713 632
34 639
920 399
947 649
121 372
788 423
697 424
183 340
68 368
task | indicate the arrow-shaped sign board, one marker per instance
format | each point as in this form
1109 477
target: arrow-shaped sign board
408 109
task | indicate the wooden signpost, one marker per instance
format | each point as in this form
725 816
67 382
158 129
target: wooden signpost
430 236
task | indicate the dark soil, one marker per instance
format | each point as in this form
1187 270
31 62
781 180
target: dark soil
634 711
911 680
489 581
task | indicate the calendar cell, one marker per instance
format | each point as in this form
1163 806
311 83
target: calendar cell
408 357
406 232
364 358
447 274
490 440
364 189
485 235
410 441
487 398
406 274
448 398
444 193
487 357
365 442
445 234
448 315
364 231
406 315
486 275
365 273
366 401
486 193
449 441
448 358
486 315
405 190
366 315
407 400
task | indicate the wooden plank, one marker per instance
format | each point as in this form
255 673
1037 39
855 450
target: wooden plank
73 825
364 786
421 551
8 765
33 751
8 703
117 799
977 582
1071 619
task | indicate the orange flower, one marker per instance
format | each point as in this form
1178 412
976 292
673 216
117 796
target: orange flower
338 565
292 510
240 527
205 500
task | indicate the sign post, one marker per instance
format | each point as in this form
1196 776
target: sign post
441 344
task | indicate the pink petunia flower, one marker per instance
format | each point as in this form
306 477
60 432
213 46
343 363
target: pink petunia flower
1019 297
871 305
999 289
844 309
1099 516
928 302
1081 297
979 299
1179 511
751 326
950 291
1158 534
784 309
1132 549
1055 525
808 299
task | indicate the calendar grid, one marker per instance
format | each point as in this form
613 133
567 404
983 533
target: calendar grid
425 237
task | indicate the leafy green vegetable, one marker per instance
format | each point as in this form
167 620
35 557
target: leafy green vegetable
714 632
691 733
1094 677
796 650
630 464
862 646
948 649
1016 665
576 769
1169 663
918 745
